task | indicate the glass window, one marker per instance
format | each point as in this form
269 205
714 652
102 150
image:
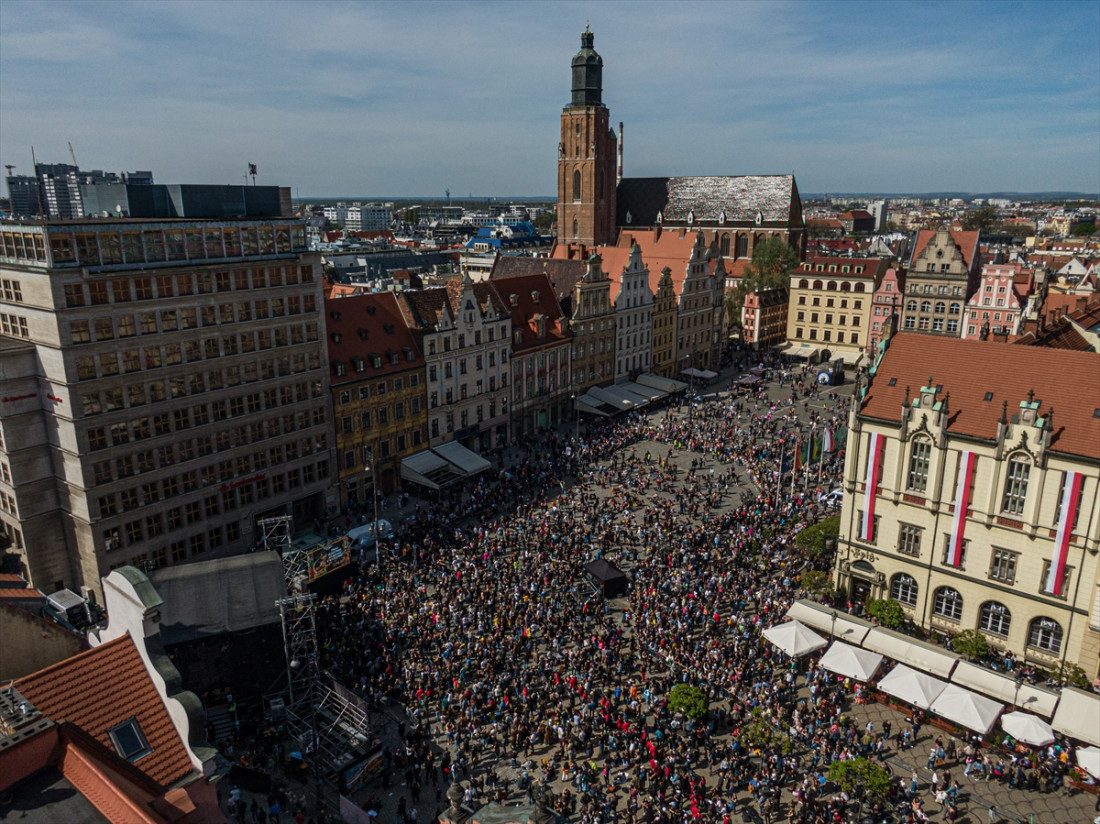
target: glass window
994 618
129 740
947 604
919 456
909 539
903 588
1045 634
1002 567
1015 494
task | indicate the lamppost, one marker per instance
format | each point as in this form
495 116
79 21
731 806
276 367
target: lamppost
832 625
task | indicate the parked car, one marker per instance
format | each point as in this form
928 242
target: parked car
833 499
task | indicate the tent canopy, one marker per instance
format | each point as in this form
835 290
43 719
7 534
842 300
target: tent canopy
911 686
222 595
749 379
927 657
973 711
1078 715
1023 726
593 406
1088 758
429 470
847 627
470 463
664 384
851 662
611 580
794 638
994 684
648 392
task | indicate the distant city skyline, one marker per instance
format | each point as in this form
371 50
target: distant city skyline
339 99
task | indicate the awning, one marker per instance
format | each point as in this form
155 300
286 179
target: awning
1033 699
749 379
664 384
851 662
624 394
706 374
911 686
847 627
800 350
647 392
794 638
1078 715
584 404
973 711
428 470
1028 728
617 402
468 462
1088 759
849 357
910 651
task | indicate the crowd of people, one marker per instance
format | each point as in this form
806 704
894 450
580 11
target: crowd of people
518 679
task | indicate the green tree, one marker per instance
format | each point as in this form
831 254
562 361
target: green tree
689 700
970 643
1069 673
759 733
861 775
981 219
1083 229
544 220
773 260
817 584
812 538
887 612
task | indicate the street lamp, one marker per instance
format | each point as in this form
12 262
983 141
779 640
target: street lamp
832 625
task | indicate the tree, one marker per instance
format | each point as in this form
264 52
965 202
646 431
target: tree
980 219
544 220
1069 673
970 643
758 732
860 774
812 538
773 260
689 700
1083 229
887 612
816 584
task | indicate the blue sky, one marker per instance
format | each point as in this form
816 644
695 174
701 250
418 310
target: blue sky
413 98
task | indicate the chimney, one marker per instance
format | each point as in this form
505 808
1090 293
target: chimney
619 164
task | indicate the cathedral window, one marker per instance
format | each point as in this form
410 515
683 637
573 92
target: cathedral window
576 187
724 244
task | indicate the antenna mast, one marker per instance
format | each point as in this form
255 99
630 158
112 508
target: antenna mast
72 154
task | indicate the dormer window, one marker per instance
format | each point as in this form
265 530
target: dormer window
359 364
340 368
519 336
376 361
513 299
335 337
535 296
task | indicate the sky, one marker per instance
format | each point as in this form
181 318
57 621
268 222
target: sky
410 99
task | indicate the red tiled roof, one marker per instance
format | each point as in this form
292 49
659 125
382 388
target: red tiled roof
873 267
966 241
526 308
99 689
968 369
368 325
661 248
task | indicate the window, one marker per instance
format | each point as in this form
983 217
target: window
1002 567
919 456
947 546
129 740
909 539
904 589
948 604
1045 634
1061 593
576 185
994 618
1016 485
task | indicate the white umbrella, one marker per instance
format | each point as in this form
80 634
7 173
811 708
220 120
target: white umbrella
973 711
794 638
1023 726
1088 758
911 686
851 662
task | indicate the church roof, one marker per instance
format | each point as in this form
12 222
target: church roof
741 197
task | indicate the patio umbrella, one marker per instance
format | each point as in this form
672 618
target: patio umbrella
1088 758
911 686
851 662
794 638
973 711
1028 728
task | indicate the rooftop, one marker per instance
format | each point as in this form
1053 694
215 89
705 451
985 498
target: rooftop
981 375
707 199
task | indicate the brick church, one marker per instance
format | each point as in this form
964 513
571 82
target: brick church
596 203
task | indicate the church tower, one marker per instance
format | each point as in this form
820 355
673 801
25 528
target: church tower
586 157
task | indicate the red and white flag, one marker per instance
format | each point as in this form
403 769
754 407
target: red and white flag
967 461
870 485
1071 500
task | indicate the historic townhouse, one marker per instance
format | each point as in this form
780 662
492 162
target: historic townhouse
997 305
541 340
378 392
163 389
886 307
943 274
664 322
830 305
593 327
633 311
465 331
971 493
764 318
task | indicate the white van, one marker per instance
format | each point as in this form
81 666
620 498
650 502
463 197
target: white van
362 537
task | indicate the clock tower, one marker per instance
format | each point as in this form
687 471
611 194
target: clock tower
586 157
